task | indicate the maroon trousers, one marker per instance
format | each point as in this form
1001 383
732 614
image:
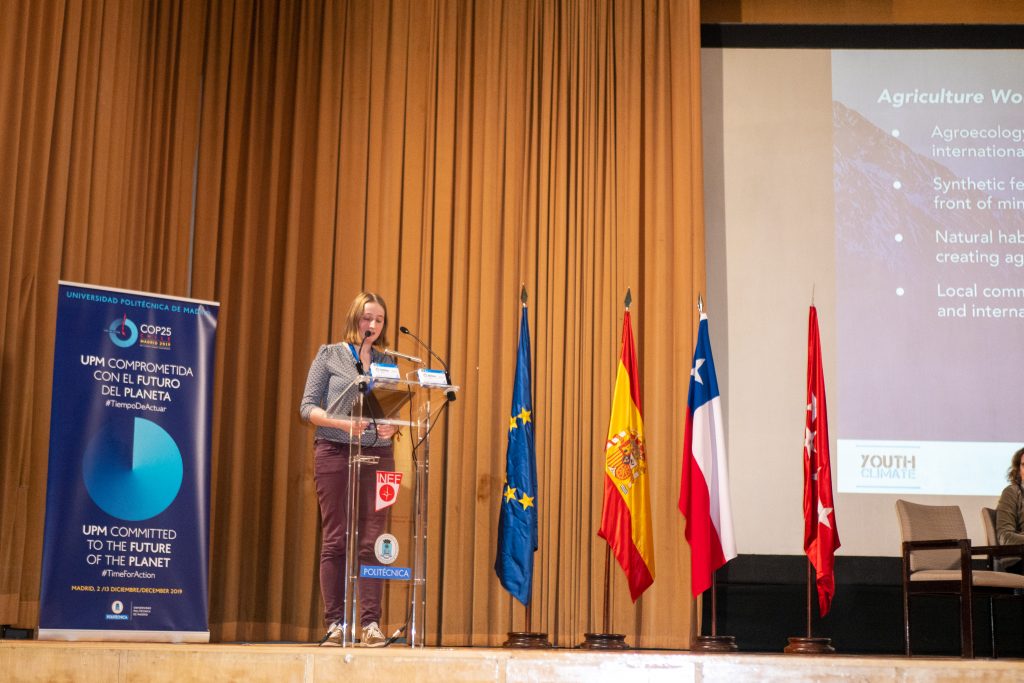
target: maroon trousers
330 470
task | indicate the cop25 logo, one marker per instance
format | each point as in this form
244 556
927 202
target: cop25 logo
123 332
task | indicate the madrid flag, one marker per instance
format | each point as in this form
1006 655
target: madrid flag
821 536
626 510
704 487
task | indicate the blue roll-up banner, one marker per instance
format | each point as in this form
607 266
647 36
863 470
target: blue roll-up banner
126 545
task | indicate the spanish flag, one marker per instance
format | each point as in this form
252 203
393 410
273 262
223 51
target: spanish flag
626 512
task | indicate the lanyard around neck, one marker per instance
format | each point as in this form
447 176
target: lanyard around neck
355 354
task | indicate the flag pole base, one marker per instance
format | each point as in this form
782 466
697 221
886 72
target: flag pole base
810 646
714 644
604 641
527 640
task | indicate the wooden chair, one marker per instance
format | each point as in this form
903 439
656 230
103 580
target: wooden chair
999 564
937 561
988 520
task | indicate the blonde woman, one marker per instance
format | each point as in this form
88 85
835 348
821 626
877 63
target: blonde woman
330 383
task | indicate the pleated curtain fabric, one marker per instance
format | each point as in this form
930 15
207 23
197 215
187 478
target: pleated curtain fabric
280 156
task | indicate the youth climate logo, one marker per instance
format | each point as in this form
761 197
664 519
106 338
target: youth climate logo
874 466
123 332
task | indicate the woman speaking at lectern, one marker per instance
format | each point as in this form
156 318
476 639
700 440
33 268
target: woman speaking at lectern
330 383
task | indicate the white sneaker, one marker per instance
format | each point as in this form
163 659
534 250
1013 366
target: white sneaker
333 637
372 636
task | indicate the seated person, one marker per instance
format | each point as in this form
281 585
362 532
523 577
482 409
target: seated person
1010 511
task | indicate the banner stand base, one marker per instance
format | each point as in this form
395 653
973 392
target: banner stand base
123 635
527 640
809 646
714 644
604 641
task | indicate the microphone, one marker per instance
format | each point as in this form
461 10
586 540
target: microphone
399 354
359 360
450 395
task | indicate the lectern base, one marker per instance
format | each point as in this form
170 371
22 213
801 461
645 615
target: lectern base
527 640
810 646
604 641
714 644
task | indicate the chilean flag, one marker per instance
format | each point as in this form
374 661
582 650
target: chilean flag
704 488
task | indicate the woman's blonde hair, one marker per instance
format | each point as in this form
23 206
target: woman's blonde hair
355 312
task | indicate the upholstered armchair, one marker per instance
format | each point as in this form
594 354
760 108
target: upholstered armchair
937 560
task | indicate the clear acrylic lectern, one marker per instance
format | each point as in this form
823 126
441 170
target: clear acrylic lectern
398 555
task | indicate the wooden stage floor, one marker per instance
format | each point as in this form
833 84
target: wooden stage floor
281 663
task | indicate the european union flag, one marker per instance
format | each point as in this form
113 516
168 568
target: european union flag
517 521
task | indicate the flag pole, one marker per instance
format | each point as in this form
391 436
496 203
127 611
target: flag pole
713 642
606 640
607 589
810 645
528 639
810 580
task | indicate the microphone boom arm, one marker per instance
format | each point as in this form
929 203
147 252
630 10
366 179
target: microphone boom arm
450 395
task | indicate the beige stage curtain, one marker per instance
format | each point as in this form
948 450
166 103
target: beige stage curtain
441 153
98 136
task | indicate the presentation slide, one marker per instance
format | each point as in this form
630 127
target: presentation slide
887 188
929 196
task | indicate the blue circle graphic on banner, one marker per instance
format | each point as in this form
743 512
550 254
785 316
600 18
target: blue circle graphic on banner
132 481
123 332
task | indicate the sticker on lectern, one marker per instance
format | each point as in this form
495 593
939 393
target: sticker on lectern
388 485
386 549
370 571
